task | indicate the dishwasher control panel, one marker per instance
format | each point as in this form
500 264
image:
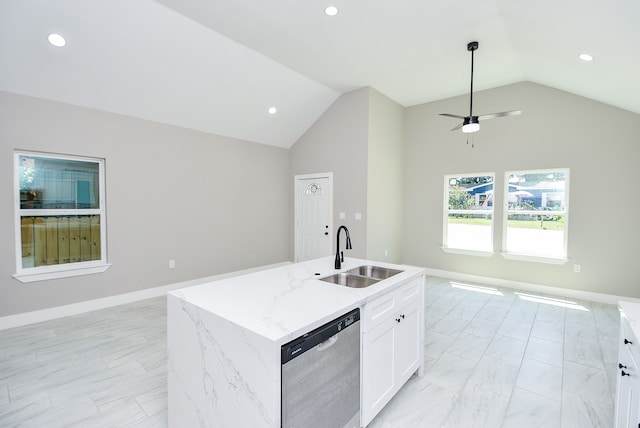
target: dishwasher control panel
307 341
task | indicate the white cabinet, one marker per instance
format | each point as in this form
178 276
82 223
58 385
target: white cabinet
408 343
628 395
392 344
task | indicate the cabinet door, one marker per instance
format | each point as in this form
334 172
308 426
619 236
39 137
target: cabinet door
627 403
408 341
378 369
628 394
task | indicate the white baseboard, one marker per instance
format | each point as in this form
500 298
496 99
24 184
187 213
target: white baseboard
33 317
536 288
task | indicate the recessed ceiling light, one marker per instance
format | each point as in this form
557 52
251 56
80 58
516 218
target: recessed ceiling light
272 110
56 40
586 57
331 11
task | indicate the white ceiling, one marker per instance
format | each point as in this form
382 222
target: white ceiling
218 65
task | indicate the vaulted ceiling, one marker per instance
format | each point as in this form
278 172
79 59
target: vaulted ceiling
218 65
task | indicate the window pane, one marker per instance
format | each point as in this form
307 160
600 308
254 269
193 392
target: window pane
537 212
537 191
469 232
51 183
54 240
537 235
469 212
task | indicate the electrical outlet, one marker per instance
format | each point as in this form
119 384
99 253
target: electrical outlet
577 268
172 264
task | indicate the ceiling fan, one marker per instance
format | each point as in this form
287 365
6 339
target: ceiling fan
471 123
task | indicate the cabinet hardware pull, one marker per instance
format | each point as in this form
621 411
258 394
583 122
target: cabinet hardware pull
628 342
620 366
402 316
625 373
398 320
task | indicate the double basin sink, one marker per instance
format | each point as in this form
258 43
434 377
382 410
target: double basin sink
362 276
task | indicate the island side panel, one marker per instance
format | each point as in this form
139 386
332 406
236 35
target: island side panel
219 374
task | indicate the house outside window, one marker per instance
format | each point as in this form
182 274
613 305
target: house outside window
468 216
536 208
60 217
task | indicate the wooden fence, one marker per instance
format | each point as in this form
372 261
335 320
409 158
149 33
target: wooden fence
53 240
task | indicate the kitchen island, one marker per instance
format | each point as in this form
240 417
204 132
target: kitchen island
224 337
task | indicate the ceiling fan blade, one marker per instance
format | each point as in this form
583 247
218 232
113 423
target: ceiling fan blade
501 114
457 126
452 115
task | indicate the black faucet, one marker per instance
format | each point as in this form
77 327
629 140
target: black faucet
340 254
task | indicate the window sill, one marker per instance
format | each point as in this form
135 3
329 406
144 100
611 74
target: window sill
466 252
44 275
535 259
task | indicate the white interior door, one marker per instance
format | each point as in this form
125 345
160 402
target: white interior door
313 216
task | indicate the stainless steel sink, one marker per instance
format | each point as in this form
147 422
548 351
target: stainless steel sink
375 272
362 276
348 280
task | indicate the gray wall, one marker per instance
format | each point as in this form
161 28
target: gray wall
385 179
359 139
599 143
337 142
178 194
213 204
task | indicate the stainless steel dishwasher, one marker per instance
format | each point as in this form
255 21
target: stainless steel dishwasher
321 376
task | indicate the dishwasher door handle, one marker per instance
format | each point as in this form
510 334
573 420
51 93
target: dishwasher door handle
327 343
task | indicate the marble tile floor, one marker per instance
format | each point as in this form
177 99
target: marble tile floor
105 368
494 359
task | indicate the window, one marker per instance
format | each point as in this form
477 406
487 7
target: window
536 215
60 216
468 217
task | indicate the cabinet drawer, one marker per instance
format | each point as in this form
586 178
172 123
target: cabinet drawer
379 310
634 347
410 292
387 305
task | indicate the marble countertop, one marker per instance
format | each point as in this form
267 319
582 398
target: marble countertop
285 302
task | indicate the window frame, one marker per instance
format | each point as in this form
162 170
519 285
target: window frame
41 273
446 211
539 258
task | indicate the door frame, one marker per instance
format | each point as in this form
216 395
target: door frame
296 179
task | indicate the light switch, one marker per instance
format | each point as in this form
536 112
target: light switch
342 216
358 216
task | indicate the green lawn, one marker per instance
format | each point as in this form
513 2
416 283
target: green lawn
529 224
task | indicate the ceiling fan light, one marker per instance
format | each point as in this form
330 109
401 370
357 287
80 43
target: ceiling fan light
470 124
470 127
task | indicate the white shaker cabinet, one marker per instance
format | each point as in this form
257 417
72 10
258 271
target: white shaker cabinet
628 394
392 344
